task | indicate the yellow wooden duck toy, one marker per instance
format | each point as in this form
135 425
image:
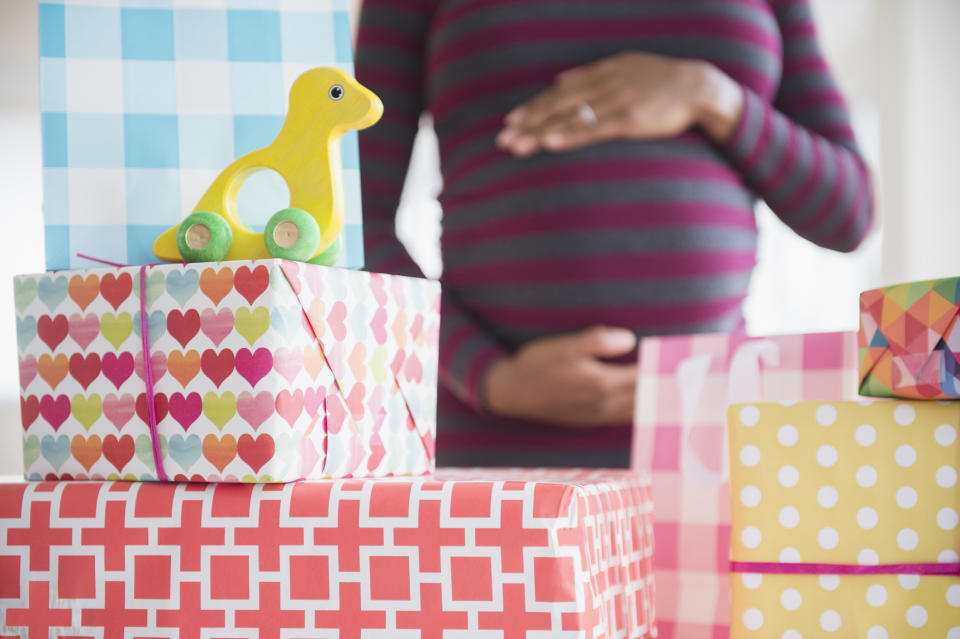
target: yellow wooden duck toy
325 103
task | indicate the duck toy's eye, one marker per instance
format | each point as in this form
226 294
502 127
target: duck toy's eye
336 92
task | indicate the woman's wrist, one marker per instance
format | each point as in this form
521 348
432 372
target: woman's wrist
717 101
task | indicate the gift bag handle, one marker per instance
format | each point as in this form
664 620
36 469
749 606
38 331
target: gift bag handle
744 384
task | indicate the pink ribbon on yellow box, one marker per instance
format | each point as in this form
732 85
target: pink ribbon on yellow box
845 519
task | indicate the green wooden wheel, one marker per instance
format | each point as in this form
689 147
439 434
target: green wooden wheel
204 237
328 257
292 234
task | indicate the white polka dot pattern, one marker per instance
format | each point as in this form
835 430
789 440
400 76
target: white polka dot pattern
846 483
810 606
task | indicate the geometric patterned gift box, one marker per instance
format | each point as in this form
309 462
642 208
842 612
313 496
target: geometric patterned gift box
683 388
259 371
486 554
910 340
143 103
845 519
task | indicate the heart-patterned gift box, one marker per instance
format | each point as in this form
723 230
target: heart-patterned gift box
262 371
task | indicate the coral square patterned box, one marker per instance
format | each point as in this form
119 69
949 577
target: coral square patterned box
259 371
462 555
845 519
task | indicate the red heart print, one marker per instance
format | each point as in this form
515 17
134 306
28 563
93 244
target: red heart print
313 360
251 284
377 452
180 477
399 328
254 366
309 456
85 369
378 288
336 320
288 363
117 368
28 370
356 454
413 369
429 445
217 366
119 410
216 284
158 364
115 289
29 410
216 325
289 405
161 406
313 399
314 279
355 402
118 452
55 410
396 287
83 291
52 330
379 325
86 450
397 362
377 397
292 271
187 409
416 328
219 451
255 409
336 415
84 330
183 326
256 452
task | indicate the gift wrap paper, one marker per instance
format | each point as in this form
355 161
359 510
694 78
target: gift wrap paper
263 371
144 103
465 554
685 384
851 484
910 340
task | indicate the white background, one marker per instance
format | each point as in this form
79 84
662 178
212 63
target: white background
895 59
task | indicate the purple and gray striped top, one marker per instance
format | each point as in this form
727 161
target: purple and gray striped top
655 236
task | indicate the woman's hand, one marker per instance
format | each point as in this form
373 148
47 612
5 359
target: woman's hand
630 96
560 380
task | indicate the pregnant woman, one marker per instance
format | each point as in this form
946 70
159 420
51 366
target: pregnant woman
601 160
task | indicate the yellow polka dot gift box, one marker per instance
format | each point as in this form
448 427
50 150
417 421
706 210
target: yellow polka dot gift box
845 519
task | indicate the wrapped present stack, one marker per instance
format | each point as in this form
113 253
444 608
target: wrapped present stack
845 513
254 423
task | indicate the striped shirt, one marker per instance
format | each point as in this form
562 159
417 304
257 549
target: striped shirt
656 236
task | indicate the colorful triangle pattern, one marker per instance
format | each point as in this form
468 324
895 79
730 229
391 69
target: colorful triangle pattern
910 340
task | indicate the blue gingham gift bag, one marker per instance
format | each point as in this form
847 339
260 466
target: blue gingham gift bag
144 102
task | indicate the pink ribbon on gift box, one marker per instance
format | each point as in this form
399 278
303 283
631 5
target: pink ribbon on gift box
148 379
770 567
147 367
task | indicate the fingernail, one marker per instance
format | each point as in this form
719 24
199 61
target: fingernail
505 137
524 144
624 338
553 140
514 116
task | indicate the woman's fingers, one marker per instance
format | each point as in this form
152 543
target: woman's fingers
559 99
555 131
